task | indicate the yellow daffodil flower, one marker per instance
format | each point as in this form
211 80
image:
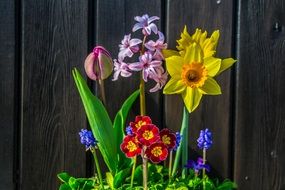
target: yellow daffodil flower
208 46
192 75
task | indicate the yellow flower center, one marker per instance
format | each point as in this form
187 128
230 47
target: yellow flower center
194 74
156 151
131 146
148 135
139 124
166 139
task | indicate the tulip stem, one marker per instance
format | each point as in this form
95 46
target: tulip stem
93 150
102 91
133 171
170 164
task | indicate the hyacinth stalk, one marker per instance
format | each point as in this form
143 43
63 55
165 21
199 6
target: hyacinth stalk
93 150
143 112
204 170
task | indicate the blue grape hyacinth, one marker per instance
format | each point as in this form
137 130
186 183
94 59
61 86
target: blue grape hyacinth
178 140
205 139
87 139
197 166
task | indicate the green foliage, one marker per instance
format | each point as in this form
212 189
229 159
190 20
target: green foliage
71 183
109 136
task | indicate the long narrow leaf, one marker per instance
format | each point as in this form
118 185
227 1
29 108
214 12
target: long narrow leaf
119 125
99 121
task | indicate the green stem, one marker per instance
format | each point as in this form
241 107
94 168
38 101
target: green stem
145 172
184 144
133 171
102 91
93 150
142 96
170 164
204 170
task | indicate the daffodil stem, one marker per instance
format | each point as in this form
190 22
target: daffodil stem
204 170
133 171
142 96
185 123
183 148
93 150
170 164
102 91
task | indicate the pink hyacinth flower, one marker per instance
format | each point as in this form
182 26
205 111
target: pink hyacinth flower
121 68
128 47
157 46
146 64
98 64
160 77
145 22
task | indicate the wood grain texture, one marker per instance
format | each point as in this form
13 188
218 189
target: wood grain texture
54 41
7 99
214 111
260 122
111 28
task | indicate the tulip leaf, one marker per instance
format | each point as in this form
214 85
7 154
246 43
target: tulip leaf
119 125
99 121
121 176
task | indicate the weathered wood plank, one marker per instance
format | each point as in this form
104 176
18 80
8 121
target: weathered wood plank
260 122
7 99
214 111
54 41
111 28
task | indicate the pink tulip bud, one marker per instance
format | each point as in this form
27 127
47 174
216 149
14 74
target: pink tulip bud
98 64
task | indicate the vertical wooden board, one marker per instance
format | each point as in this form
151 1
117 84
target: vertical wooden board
7 85
111 28
260 123
214 112
54 40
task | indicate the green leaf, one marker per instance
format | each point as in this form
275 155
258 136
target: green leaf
121 176
99 121
64 187
119 125
138 174
227 185
64 177
73 183
110 179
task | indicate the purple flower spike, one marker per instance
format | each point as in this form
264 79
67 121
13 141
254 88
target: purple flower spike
146 64
197 166
157 46
128 47
145 22
87 139
178 140
160 77
121 68
205 139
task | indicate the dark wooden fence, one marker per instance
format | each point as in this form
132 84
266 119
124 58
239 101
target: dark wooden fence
41 113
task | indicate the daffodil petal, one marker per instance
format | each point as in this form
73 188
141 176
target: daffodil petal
191 98
168 53
174 65
210 87
174 86
212 65
193 54
226 63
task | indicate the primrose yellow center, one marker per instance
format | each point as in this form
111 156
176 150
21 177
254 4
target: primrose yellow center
148 135
156 151
166 139
194 74
140 123
131 146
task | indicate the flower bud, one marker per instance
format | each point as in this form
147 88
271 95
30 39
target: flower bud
98 64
